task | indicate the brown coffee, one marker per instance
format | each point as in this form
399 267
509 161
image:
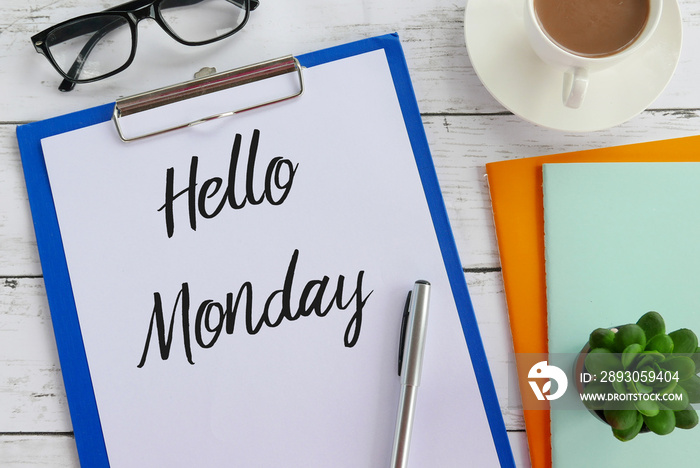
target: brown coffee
592 28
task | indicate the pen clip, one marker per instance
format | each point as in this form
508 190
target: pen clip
404 326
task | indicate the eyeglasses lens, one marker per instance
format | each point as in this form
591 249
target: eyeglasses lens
91 47
202 20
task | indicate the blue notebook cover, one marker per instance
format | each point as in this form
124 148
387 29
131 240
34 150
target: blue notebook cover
83 407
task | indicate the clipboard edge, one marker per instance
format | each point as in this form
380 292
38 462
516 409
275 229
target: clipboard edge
77 380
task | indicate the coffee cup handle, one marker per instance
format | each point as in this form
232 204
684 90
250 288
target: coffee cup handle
575 85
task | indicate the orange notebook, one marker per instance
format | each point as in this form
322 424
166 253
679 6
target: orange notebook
516 196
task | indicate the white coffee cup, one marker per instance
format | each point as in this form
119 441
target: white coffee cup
577 67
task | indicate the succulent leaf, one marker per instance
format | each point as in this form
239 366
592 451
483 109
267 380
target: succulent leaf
696 359
600 360
621 419
652 323
692 388
630 354
650 358
627 335
661 343
681 364
663 423
601 338
684 341
687 418
631 432
647 407
596 388
680 400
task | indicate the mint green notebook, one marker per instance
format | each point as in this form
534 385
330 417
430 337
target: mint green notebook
621 239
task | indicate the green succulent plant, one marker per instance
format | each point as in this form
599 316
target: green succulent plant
654 373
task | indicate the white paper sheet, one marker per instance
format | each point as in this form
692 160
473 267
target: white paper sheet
293 395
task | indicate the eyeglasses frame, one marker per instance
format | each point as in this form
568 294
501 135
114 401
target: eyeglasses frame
133 12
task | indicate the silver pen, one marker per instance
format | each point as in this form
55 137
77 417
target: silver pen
411 347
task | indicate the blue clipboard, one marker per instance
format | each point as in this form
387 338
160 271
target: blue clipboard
76 373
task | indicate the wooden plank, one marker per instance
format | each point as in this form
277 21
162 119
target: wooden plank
19 253
461 146
432 34
37 451
486 291
31 388
59 451
32 396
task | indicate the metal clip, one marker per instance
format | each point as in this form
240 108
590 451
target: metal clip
205 85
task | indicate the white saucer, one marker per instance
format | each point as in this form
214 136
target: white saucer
502 58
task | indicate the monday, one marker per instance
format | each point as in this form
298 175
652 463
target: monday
204 322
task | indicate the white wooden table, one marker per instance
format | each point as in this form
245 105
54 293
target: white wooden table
466 128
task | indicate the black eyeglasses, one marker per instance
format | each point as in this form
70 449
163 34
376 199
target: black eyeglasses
92 47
